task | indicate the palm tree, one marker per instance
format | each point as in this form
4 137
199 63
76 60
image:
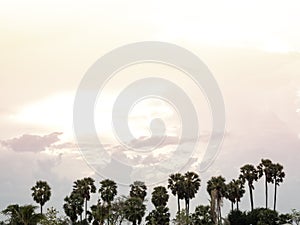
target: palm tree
216 188
84 188
22 215
99 213
160 196
138 190
41 193
160 215
230 193
249 174
234 192
134 210
73 206
264 169
176 185
108 191
191 186
277 175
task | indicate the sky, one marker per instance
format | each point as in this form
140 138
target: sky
252 49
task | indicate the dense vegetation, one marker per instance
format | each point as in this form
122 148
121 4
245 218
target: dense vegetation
111 209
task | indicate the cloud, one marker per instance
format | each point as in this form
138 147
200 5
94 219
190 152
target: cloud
32 143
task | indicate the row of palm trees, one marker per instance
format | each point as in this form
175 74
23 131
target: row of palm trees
111 209
272 172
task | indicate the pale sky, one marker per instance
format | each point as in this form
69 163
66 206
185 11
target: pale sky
252 49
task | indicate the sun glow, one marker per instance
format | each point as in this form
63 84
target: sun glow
53 112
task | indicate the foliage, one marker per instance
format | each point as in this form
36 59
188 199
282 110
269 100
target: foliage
249 174
295 216
160 196
108 191
181 218
265 169
191 185
117 214
99 213
134 210
216 188
176 185
202 216
235 191
41 193
22 215
138 190
160 215
284 219
51 218
237 217
278 175
73 206
83 189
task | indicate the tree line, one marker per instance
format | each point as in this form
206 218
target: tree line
112 209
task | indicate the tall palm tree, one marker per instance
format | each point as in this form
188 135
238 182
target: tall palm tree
264 169
234 192
249 174
108 191
134 210
22 215
216 189
277 175
138 190
84 188
41 193
191 186
176 185
230 193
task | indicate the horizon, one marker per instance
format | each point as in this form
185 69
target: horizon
46 50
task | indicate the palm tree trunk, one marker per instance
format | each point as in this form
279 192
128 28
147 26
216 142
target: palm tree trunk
232 206
275 193
108 212
178 204
266 189
187 206
220 213
41 209
251 197
134 222
85 209
237 205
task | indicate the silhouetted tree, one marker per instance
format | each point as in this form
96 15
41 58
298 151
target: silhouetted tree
265 169
249 174
41 193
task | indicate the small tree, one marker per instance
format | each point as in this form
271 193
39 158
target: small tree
295 216
202 216
52 218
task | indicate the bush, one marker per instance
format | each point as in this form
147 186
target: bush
237 217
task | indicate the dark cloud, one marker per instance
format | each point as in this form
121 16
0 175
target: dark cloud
31 143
